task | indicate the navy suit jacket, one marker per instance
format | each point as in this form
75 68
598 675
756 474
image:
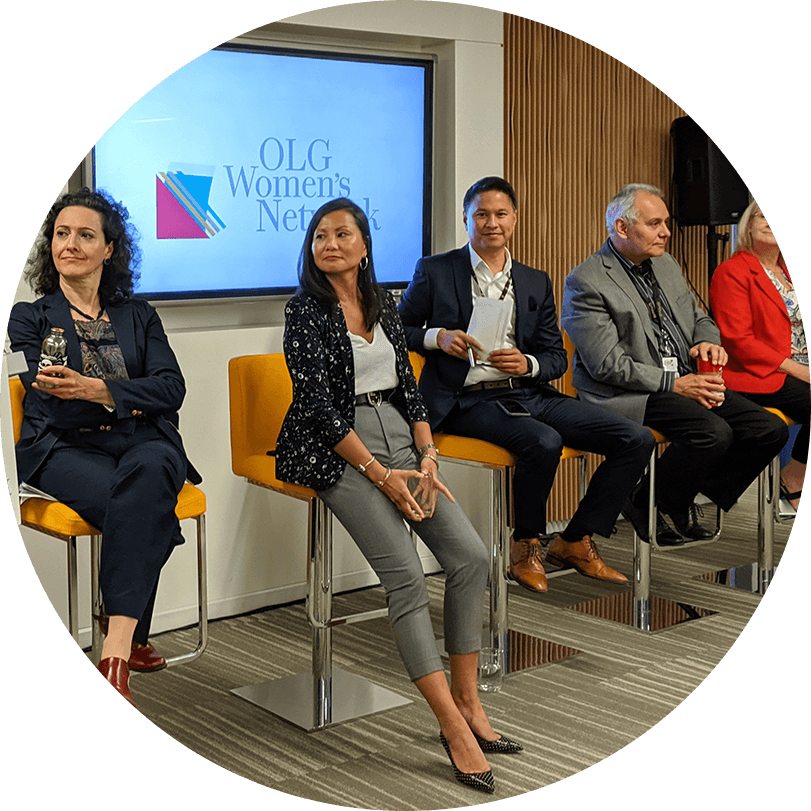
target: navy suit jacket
440 295
155 389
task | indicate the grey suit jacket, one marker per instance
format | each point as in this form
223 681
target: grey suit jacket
616 361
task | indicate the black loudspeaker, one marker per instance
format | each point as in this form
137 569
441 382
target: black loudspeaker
706 189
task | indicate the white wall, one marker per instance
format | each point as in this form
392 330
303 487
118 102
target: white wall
256 551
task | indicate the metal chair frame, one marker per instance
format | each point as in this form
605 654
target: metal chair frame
31 506
642 551
480 454
769 514
326 695
500 496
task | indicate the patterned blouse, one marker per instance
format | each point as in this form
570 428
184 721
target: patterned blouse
319 357
101 354
799 351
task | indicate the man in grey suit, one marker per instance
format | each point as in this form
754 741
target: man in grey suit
638 332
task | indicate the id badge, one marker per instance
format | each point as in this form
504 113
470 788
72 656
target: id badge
670 364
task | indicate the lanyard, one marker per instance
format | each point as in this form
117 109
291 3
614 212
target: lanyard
504 290
655 308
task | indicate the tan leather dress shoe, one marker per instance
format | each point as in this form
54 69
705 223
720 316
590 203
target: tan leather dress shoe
526 564
583 556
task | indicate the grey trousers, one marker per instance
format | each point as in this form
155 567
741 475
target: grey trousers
377 527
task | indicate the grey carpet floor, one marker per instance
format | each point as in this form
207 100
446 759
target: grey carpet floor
569 715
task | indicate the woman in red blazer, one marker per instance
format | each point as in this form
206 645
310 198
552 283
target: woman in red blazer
755 306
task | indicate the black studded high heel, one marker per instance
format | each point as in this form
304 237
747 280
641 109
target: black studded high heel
501 746
483 781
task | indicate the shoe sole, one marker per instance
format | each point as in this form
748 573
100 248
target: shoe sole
554 560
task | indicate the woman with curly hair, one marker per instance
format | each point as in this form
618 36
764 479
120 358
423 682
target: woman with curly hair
100 433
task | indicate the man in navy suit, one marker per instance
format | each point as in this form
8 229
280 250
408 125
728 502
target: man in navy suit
505 397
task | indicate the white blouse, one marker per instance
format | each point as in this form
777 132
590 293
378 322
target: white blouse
375 362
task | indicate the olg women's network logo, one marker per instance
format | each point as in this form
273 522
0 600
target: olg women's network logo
181 202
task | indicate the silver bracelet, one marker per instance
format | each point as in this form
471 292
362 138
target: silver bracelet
423 452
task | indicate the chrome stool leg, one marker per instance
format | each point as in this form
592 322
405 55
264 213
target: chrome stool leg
499 609
768 502
642 551
326 695
202 599
73 589
96 604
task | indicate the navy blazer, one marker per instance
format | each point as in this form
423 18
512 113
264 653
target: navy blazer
318 352
155 389
440 295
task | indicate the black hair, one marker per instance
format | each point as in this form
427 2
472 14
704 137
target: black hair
314 281
491 183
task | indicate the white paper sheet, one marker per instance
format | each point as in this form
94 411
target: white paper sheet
488 324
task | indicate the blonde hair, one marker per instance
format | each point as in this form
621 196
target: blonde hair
743 239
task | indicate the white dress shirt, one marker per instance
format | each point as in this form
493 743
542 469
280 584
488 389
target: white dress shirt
488 285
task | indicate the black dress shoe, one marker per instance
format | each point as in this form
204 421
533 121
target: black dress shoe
686 523
635 510
637 514
665 535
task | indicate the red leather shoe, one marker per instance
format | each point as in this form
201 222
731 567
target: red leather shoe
145 659
115 670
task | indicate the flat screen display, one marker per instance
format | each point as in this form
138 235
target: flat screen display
222 165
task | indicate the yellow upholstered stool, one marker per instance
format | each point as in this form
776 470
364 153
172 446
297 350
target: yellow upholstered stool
53 518
260 393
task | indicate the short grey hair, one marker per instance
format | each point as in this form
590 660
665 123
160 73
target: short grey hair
622 206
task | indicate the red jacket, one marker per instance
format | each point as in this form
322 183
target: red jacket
754 324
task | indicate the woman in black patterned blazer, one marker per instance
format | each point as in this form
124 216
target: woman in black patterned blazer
357 432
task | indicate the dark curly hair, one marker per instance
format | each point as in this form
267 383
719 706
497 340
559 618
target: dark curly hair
120 274
314 281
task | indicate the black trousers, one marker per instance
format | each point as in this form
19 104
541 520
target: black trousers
718 452
793 398
125 482
555 420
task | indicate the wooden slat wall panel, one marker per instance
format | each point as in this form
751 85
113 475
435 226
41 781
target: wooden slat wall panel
578 125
